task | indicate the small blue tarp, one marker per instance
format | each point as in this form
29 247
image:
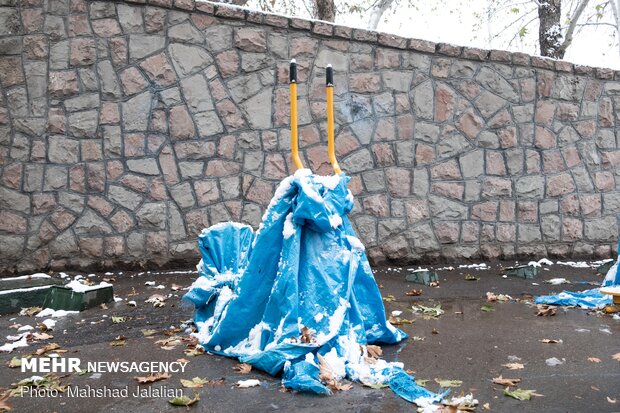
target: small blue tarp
298 298
592 298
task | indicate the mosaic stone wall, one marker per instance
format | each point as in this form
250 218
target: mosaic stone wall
127 127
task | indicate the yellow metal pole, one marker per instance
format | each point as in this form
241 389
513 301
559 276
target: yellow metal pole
331 147
293 94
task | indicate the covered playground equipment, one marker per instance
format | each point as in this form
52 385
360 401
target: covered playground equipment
298 297
608 293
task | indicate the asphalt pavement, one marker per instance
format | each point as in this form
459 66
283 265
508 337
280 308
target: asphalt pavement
472 342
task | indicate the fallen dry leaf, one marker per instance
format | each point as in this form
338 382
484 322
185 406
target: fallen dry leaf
487 406
216 382
397 321
157 300
176 287
414 292
374 351
46 348
5 404
520 394
151 378
182 360
612 401
513 366
506 382
327 376
184 400
30 311
545 310
41 336
594 359
616 356
193 352
243 368
550 341
306 335
194 383
169 343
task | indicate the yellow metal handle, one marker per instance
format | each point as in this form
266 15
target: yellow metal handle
331 146
293 94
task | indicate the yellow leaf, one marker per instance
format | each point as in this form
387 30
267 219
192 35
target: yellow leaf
594 359
184 400
194 383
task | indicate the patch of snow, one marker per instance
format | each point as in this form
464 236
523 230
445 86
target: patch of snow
557 281
25 328
396 313
49 323
554 361
27 277
243 384
42 287
78 287
335 221
330 182
579 264
611 290
150 283
48 312
481 266
289 227
9 347
356 244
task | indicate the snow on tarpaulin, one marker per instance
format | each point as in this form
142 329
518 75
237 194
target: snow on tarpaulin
300 288
589 298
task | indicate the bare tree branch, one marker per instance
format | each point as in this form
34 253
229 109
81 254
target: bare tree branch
568 38
377 11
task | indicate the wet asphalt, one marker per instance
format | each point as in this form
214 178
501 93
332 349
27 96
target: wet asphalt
465 343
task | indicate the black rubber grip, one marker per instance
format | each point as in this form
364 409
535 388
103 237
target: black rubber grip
293 73
329 76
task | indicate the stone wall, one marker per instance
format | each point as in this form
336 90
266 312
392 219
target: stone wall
126 127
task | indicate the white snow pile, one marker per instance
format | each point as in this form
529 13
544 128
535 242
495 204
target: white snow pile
79 287
244 384
49 312
9 347
481 266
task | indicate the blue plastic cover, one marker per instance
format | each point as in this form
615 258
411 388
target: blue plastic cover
589 298
299 295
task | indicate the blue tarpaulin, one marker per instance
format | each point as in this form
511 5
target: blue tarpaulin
298 298
592 298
